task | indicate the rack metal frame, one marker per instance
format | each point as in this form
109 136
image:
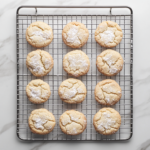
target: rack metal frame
58 49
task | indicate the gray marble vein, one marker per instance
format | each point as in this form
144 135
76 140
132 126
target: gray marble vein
143 80
142 109
7 66
37 147
145 145
7 126
11 5
6 41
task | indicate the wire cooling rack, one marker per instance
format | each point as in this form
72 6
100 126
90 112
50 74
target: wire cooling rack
58 49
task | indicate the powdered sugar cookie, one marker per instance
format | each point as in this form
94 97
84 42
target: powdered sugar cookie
38 91
72 122
107 92
76 63
39 62
109 62
75 34
108 34
39 34
72 91
41 121
107 121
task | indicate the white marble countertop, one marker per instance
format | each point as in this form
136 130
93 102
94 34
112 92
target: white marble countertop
141 70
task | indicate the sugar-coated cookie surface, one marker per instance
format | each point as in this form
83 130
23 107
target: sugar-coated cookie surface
108 34
38 91
41 121
72 91
75 34
39 62
76 63
109 62
107 121
107 92
72 122
39 34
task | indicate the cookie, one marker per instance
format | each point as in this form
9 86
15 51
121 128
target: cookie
76 63
109 62
108 34
107 121
75 34
41 121
72 91
107 92
38 91
39 62
39 34
72 122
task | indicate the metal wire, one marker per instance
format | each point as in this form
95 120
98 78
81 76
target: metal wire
58 49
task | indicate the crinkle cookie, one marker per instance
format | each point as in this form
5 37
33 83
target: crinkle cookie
39 62
39 34
38 91
108 34
76 63
109 62
41 121
72 122
72 91
75 34
107 92
107 121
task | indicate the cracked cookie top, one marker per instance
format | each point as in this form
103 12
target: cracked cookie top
39 62
72 91
76 63
107 92
72 122
108 34
109 62
75 34
107 121
41 121
39 34
38 91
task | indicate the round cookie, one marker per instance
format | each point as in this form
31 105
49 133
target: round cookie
109 62
108 34
75 34
76 63
72 91
38 91
107 92
39 34
107 121
39 62
72 122
41 121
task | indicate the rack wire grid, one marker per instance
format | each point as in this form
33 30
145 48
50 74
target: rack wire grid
58 49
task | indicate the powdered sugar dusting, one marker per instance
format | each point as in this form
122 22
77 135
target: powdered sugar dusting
44 34
65 121
108 59
47 63
68 94
39 122
77 61
72 35
74 118
107 36
36 64
113 70
35 93
107 122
